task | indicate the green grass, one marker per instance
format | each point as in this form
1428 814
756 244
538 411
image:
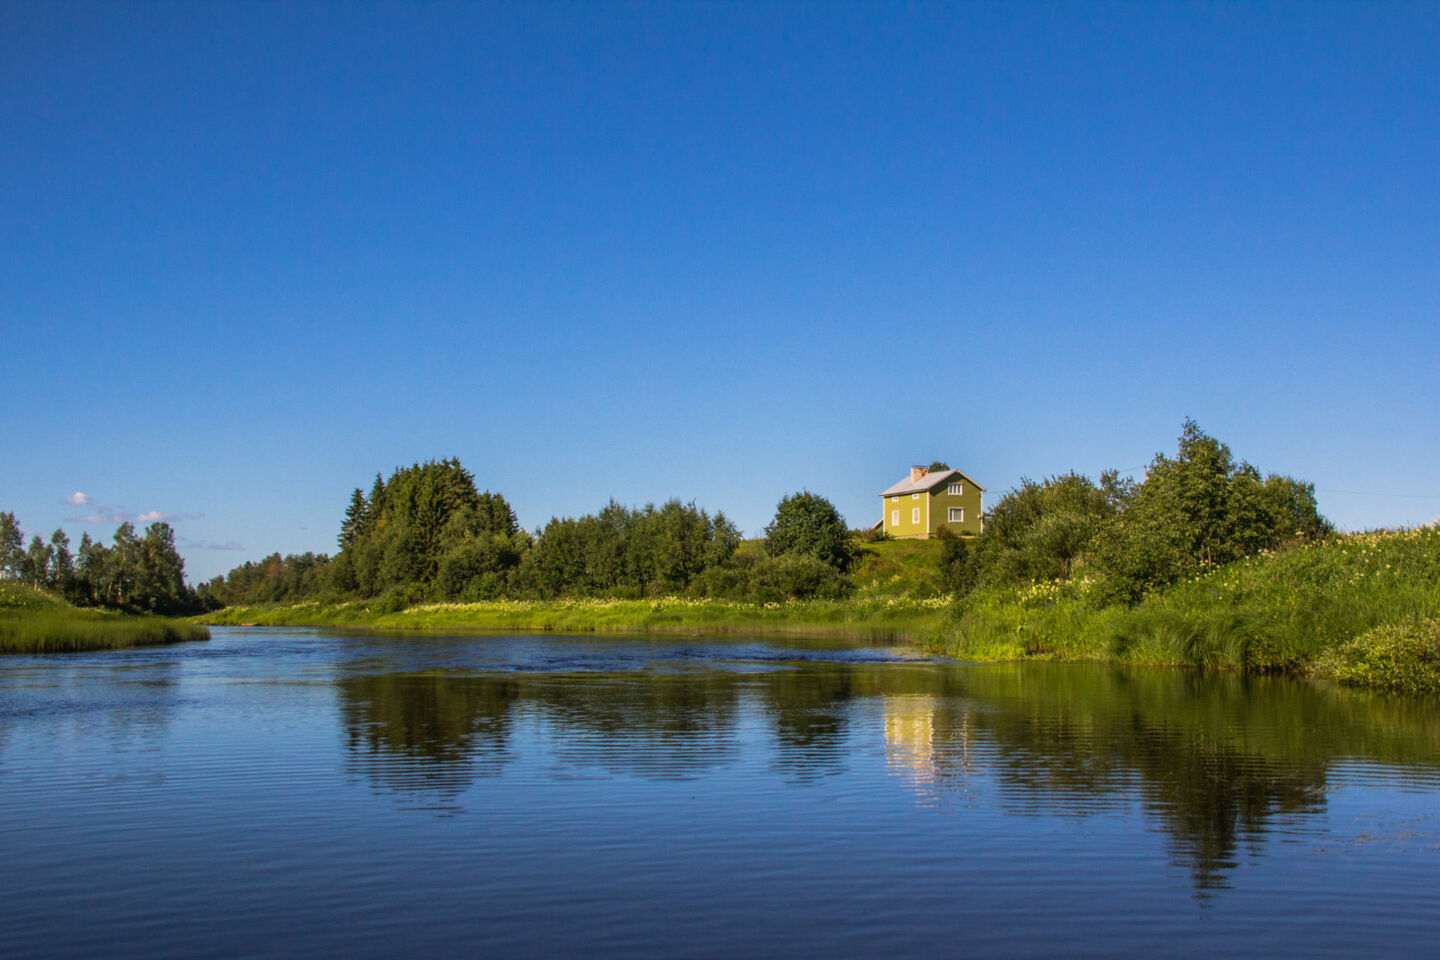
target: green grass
879 618
898 568
32 621
1311 610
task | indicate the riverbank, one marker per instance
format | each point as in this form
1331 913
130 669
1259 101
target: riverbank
32 621
881 619
1359 609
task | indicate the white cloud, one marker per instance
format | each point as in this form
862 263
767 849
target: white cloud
152 516
212 545
112 516
78 499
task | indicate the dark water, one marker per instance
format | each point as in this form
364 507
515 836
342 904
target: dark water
287 793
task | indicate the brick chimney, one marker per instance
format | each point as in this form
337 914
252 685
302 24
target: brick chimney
917 472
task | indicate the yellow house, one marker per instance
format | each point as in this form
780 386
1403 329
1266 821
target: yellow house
918 506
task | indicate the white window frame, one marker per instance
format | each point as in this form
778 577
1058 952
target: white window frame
956 489
957 515
915 515
914 496
895 517
894 499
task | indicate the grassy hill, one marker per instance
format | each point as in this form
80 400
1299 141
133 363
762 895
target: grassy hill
898 568
33 621
1362 609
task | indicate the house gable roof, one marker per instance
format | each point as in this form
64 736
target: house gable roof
928 482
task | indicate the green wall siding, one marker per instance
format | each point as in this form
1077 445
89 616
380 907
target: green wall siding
934 510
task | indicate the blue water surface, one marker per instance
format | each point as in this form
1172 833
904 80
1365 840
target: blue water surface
279 793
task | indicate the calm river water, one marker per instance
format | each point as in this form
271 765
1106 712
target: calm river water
307 793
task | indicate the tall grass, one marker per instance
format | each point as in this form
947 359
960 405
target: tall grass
32 621
880 618
1285 611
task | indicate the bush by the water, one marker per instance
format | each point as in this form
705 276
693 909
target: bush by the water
1403 657
32 621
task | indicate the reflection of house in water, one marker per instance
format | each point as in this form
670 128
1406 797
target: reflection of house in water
929 745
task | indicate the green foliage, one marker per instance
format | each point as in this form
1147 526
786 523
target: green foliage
648 551
138 574
33 621
760 578
1404 658
1288 610
1040 531
354 525
479 567
35 565
1198 510
275 579
899 569
937 465
406 531
12 547
806 523
959 567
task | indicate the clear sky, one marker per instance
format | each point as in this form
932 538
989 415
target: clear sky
253 253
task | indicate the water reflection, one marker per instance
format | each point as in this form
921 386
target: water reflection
1217 761
431 734
1218 764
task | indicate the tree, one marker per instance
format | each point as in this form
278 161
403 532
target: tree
62 566
161 583
12 547
1039 531
1198 509
123 570
353 526
807 523
35 564
937 465
958 573
91 558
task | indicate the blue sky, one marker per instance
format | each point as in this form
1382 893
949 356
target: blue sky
251 254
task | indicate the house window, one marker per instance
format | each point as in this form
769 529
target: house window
894 499
957 514
956 489
914 496
895 517
915 515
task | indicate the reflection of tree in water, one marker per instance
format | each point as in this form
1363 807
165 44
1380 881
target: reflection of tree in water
430 734
1211 797
659 726
1216 759
809 710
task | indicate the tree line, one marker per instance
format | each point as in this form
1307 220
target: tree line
1197 509
142 574
427 533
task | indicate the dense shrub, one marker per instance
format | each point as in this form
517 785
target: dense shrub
1198 510
1404 658
806 523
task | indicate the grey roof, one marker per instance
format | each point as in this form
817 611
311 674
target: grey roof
928 482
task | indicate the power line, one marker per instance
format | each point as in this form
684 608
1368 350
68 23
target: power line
1372 493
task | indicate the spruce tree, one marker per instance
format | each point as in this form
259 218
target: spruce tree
354 524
